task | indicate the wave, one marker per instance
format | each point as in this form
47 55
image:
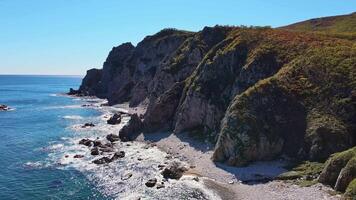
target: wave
76 117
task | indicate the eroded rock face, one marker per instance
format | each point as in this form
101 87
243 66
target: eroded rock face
258 92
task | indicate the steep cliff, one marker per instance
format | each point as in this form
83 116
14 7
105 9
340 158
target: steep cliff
256 92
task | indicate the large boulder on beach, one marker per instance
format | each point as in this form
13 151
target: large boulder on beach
103 160
174 170
130 130
115 119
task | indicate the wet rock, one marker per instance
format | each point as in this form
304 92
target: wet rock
94 151
4 108
118 155
174 170
112 137
78 156
102 160
86 142
151 183
115 119
72 91
97 143
107 149
134 126
88 125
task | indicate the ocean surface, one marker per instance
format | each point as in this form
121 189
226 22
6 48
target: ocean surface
39 139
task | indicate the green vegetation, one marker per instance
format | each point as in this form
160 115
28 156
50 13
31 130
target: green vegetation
351 190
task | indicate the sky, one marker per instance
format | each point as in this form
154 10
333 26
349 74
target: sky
68 37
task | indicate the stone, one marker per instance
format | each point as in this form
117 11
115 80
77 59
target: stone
86 142
133 127
4 107
174 170
115 119
151 183
118 155
88 125
78 156
103 160
94 151
112 137
126 176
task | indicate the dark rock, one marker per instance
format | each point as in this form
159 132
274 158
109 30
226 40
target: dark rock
97 143
115 119
72 91
151 183
118 155
86 142
88 125
94 151
107 149
133 127
112 137
103 160
174 170
78 156
4 108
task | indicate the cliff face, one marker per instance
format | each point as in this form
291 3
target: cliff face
256 92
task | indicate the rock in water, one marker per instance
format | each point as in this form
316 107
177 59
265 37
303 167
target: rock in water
133 127
88 125
112 137
115 119
4 108
151 183
174 170
102 160
118 155
78 156
86 142
94 151
72 91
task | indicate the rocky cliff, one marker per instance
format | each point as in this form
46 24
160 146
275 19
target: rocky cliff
256 92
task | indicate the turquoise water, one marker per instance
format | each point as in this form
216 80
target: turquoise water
27 132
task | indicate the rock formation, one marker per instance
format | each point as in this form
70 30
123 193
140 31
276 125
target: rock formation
256 92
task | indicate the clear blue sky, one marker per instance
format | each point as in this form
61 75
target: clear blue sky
71 36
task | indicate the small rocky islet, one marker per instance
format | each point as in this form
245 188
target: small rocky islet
255 92
4 107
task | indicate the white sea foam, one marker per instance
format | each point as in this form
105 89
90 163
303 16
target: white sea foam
141 162
72 117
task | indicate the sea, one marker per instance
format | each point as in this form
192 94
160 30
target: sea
39 138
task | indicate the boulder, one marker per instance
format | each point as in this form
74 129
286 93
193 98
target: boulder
112 137
133 127
118 155
88 125
72 91
78 156
86 142
94 151
151 183
97 143
102 160
4 108
174 170
115 119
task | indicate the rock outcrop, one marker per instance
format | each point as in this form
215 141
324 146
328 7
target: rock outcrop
256 92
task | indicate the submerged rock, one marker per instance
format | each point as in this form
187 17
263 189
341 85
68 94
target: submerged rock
151 183
78 156
174 170
115 119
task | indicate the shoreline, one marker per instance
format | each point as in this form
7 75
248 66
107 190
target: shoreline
226 181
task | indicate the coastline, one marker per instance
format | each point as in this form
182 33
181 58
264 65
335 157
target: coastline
228 182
